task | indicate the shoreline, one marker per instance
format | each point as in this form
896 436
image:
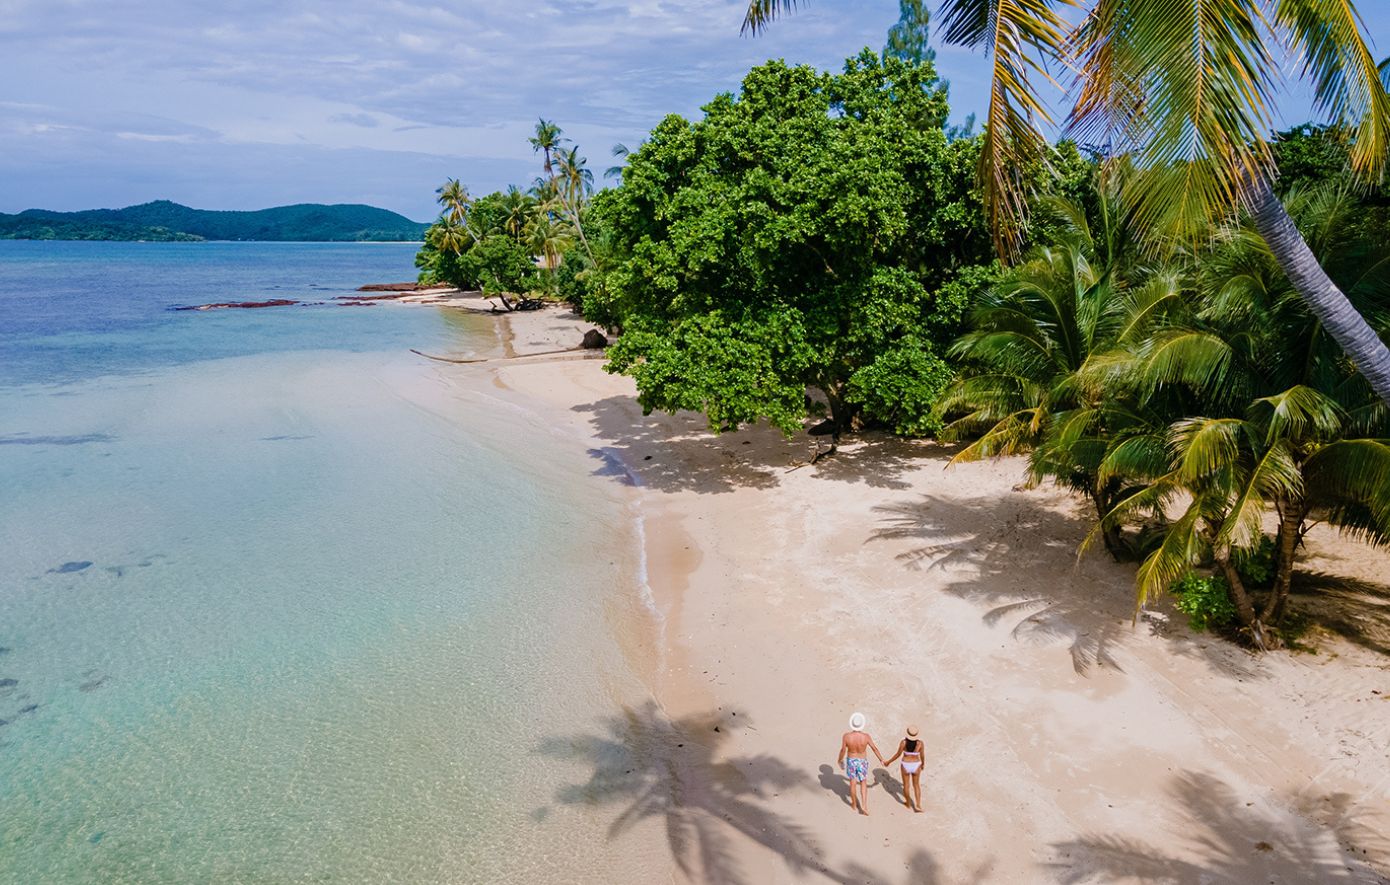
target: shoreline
1062 741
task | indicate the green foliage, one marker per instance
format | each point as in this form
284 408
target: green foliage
500 265
814 231
1257 564
1206 600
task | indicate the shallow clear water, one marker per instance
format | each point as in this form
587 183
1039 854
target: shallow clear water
278 600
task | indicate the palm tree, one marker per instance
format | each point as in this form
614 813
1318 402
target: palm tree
1034 345
1187 90
548 237
620 152
1286 425
575 183
450 235
453 196
548 139
518 207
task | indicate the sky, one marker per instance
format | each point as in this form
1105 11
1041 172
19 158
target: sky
243 104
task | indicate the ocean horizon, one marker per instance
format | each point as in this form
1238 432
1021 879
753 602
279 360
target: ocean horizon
280 600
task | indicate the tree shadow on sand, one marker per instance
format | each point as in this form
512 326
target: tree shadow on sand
1357 610
1001 545
650 766
1226 840
679 453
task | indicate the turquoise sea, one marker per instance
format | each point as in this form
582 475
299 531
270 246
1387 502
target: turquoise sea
281 601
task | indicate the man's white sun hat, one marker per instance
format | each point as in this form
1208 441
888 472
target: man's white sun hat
857 722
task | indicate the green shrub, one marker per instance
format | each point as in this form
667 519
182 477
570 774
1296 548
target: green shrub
1206 600
1256 565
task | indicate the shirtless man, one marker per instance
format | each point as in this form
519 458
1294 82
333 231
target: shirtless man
856 764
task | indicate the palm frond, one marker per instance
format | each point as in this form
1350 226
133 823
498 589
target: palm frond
762 13
1347 83
1204 446
1181 547
1274 475
1020 36
1185 86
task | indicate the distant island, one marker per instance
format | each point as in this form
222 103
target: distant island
165 221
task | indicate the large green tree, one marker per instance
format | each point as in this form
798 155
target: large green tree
813 231
1186 89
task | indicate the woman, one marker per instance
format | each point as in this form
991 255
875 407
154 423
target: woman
910 749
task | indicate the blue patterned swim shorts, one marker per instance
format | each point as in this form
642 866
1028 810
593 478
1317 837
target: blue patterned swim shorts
857 769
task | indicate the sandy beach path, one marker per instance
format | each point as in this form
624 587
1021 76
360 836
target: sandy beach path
1064 742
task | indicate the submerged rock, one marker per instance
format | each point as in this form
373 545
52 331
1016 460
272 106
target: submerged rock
225 305
68 568
8 683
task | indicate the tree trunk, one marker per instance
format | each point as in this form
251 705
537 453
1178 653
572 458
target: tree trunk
1245 609
1111 535
839 419
1350 330
1285 546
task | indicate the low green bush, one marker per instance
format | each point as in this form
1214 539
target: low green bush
1206 600
1256 565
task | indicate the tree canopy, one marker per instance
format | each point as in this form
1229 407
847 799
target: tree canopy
813 231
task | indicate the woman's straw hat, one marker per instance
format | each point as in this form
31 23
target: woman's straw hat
857 722
912 731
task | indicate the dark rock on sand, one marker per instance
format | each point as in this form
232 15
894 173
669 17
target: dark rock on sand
594 339
225 305
68 568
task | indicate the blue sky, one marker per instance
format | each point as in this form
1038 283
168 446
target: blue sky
243 104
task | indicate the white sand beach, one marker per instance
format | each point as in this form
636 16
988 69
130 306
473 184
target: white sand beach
1064 741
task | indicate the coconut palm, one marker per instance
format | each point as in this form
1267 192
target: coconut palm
518 207
453 196
1187 90
1032 348
548 237
450 235
547 140
568 190
1287 426
620 152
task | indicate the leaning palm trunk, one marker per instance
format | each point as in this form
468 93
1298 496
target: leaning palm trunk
1327 302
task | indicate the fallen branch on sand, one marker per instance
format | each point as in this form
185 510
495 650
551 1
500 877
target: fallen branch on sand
818 455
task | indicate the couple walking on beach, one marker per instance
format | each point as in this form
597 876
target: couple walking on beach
853 746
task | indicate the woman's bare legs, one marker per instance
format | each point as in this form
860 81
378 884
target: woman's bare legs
915 789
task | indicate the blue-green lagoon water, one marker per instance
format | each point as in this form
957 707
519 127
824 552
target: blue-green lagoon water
281 601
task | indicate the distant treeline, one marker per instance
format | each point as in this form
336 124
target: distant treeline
165 221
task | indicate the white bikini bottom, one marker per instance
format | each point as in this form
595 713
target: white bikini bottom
911 767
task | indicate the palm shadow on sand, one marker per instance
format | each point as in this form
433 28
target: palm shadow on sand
1001 545
1225 840
647 766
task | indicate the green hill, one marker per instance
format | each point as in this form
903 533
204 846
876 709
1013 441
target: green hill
163 220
